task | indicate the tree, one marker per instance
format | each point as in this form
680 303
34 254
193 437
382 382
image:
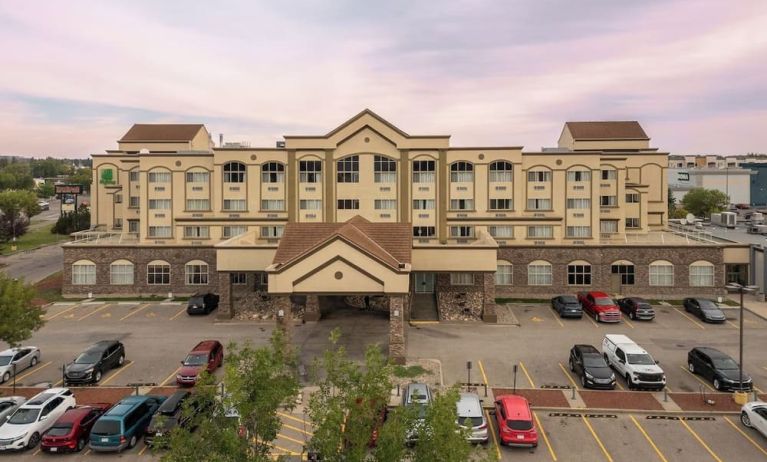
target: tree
703 202
16 175
19 316
69 222
46 190
83 176
16 207
49 168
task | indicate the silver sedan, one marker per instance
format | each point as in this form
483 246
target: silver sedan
15 360
8 405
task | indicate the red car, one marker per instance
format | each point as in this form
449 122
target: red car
72 430
515 421
207 355
600 306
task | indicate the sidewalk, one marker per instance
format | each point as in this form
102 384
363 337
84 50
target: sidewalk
752 304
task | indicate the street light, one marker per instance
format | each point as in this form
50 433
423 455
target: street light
735 287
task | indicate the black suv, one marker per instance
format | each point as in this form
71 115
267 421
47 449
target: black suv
170 415
202 303
637 308
719 368
92 363
588 364
567 306
705 309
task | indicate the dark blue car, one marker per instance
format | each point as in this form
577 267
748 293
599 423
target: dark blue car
122 426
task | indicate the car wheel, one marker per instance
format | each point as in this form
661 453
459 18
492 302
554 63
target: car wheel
80 444
97 376
717 385
691 367
632 316
33 363
629 382
132 442
745 419
6 377
596 317
120 360
34 440
572 366
583 381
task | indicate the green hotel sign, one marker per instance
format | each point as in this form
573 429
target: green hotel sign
107 176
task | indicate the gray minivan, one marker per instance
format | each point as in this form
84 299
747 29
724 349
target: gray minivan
469 408
416 394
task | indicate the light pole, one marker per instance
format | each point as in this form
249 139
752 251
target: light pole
735 287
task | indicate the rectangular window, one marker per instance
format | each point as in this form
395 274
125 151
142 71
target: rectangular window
235 205
578 203
539 204
424 231
272 177
121 275
196 275
133 226
423 171
349 170
272 204
423 204
159 204
579 175
238 279
461 176
632 198
160 231
539 275
231 231
608 201
310 171
626 273
461 204
197 204
348 204
118 223
385 204
461 279
118 198
500 204
661 275
384 170
158 275
501 231
632 223
702 276
608 226
540 232
133 175
539 177
134 202
578 231
159 177
197 177
310 204
196 232
609 174
461 231
500 176
503 275
579 275
83 275
272 232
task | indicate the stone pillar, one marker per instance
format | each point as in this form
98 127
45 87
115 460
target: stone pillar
397 348
283 313
225 305
312 313
488 298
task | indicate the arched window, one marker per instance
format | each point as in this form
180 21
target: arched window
539 176
661 273
461 172
384 170
423 171
83 273
579 273
539 273
196 273
121 273
159 176
197 176
579 175
500 171
503 273
273 172
158 273
626 271
701 274
348 169
309 171
234 172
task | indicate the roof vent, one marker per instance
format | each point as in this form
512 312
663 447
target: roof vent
280 144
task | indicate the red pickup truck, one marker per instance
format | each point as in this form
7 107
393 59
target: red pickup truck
600 306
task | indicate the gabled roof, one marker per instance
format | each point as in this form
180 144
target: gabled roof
375 116
162 132
612 130
390 243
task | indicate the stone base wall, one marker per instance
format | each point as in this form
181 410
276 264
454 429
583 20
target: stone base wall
601 260
459 303
177 257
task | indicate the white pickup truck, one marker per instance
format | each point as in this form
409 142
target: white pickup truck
632 362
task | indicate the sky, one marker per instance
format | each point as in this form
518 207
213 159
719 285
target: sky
75 75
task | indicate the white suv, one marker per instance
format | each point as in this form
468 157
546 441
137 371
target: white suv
25 427
632 362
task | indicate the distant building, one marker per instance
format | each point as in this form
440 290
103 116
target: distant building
735 182
758 182
713 161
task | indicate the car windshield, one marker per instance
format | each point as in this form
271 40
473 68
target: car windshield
603 301
5 360
594 361
519 425
644 305
568 299
641 359
24 416
60 430
475 421
725 363
106 427
89 357
162 421
196 301
707 305
196 359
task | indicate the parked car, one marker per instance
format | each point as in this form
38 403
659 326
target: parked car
25 427
632 362
705 309
600 306
202 303
122 425
207 355
91 364
72 430
44 205
21 357
754 415
471 416
567 306
719 368
8 405
515 421
168 416
417 395
589 365
637 308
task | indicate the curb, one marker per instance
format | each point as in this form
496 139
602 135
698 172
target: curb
632 411
760 316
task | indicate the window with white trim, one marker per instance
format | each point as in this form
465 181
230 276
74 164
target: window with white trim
235 205
539 204
158 273
461 279
701 274
578 231
196 273
500 172
83 273
632 198
424 231
272 172
540 176
578 203
197 232
501 204
632 223
608 201
197 177
348 169
461 231
198 204
626 271
232 231
503 274
423 171
384 170
540 231
159 177
310 171
160 231
234 172
608 226
609 174
539 273
661 274
461 172
272 204
579 175
133 175
238 279
272 232
310 204
121 273
133 202
501 231
579 274
348 204
159 204
423 204
385 204
461 204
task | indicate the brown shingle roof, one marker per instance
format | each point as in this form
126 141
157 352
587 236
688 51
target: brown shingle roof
162 132
391 243
620 130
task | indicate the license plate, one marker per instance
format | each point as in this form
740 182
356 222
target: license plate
520 437
104 440
54 449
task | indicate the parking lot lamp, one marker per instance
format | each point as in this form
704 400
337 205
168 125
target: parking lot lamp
735 287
